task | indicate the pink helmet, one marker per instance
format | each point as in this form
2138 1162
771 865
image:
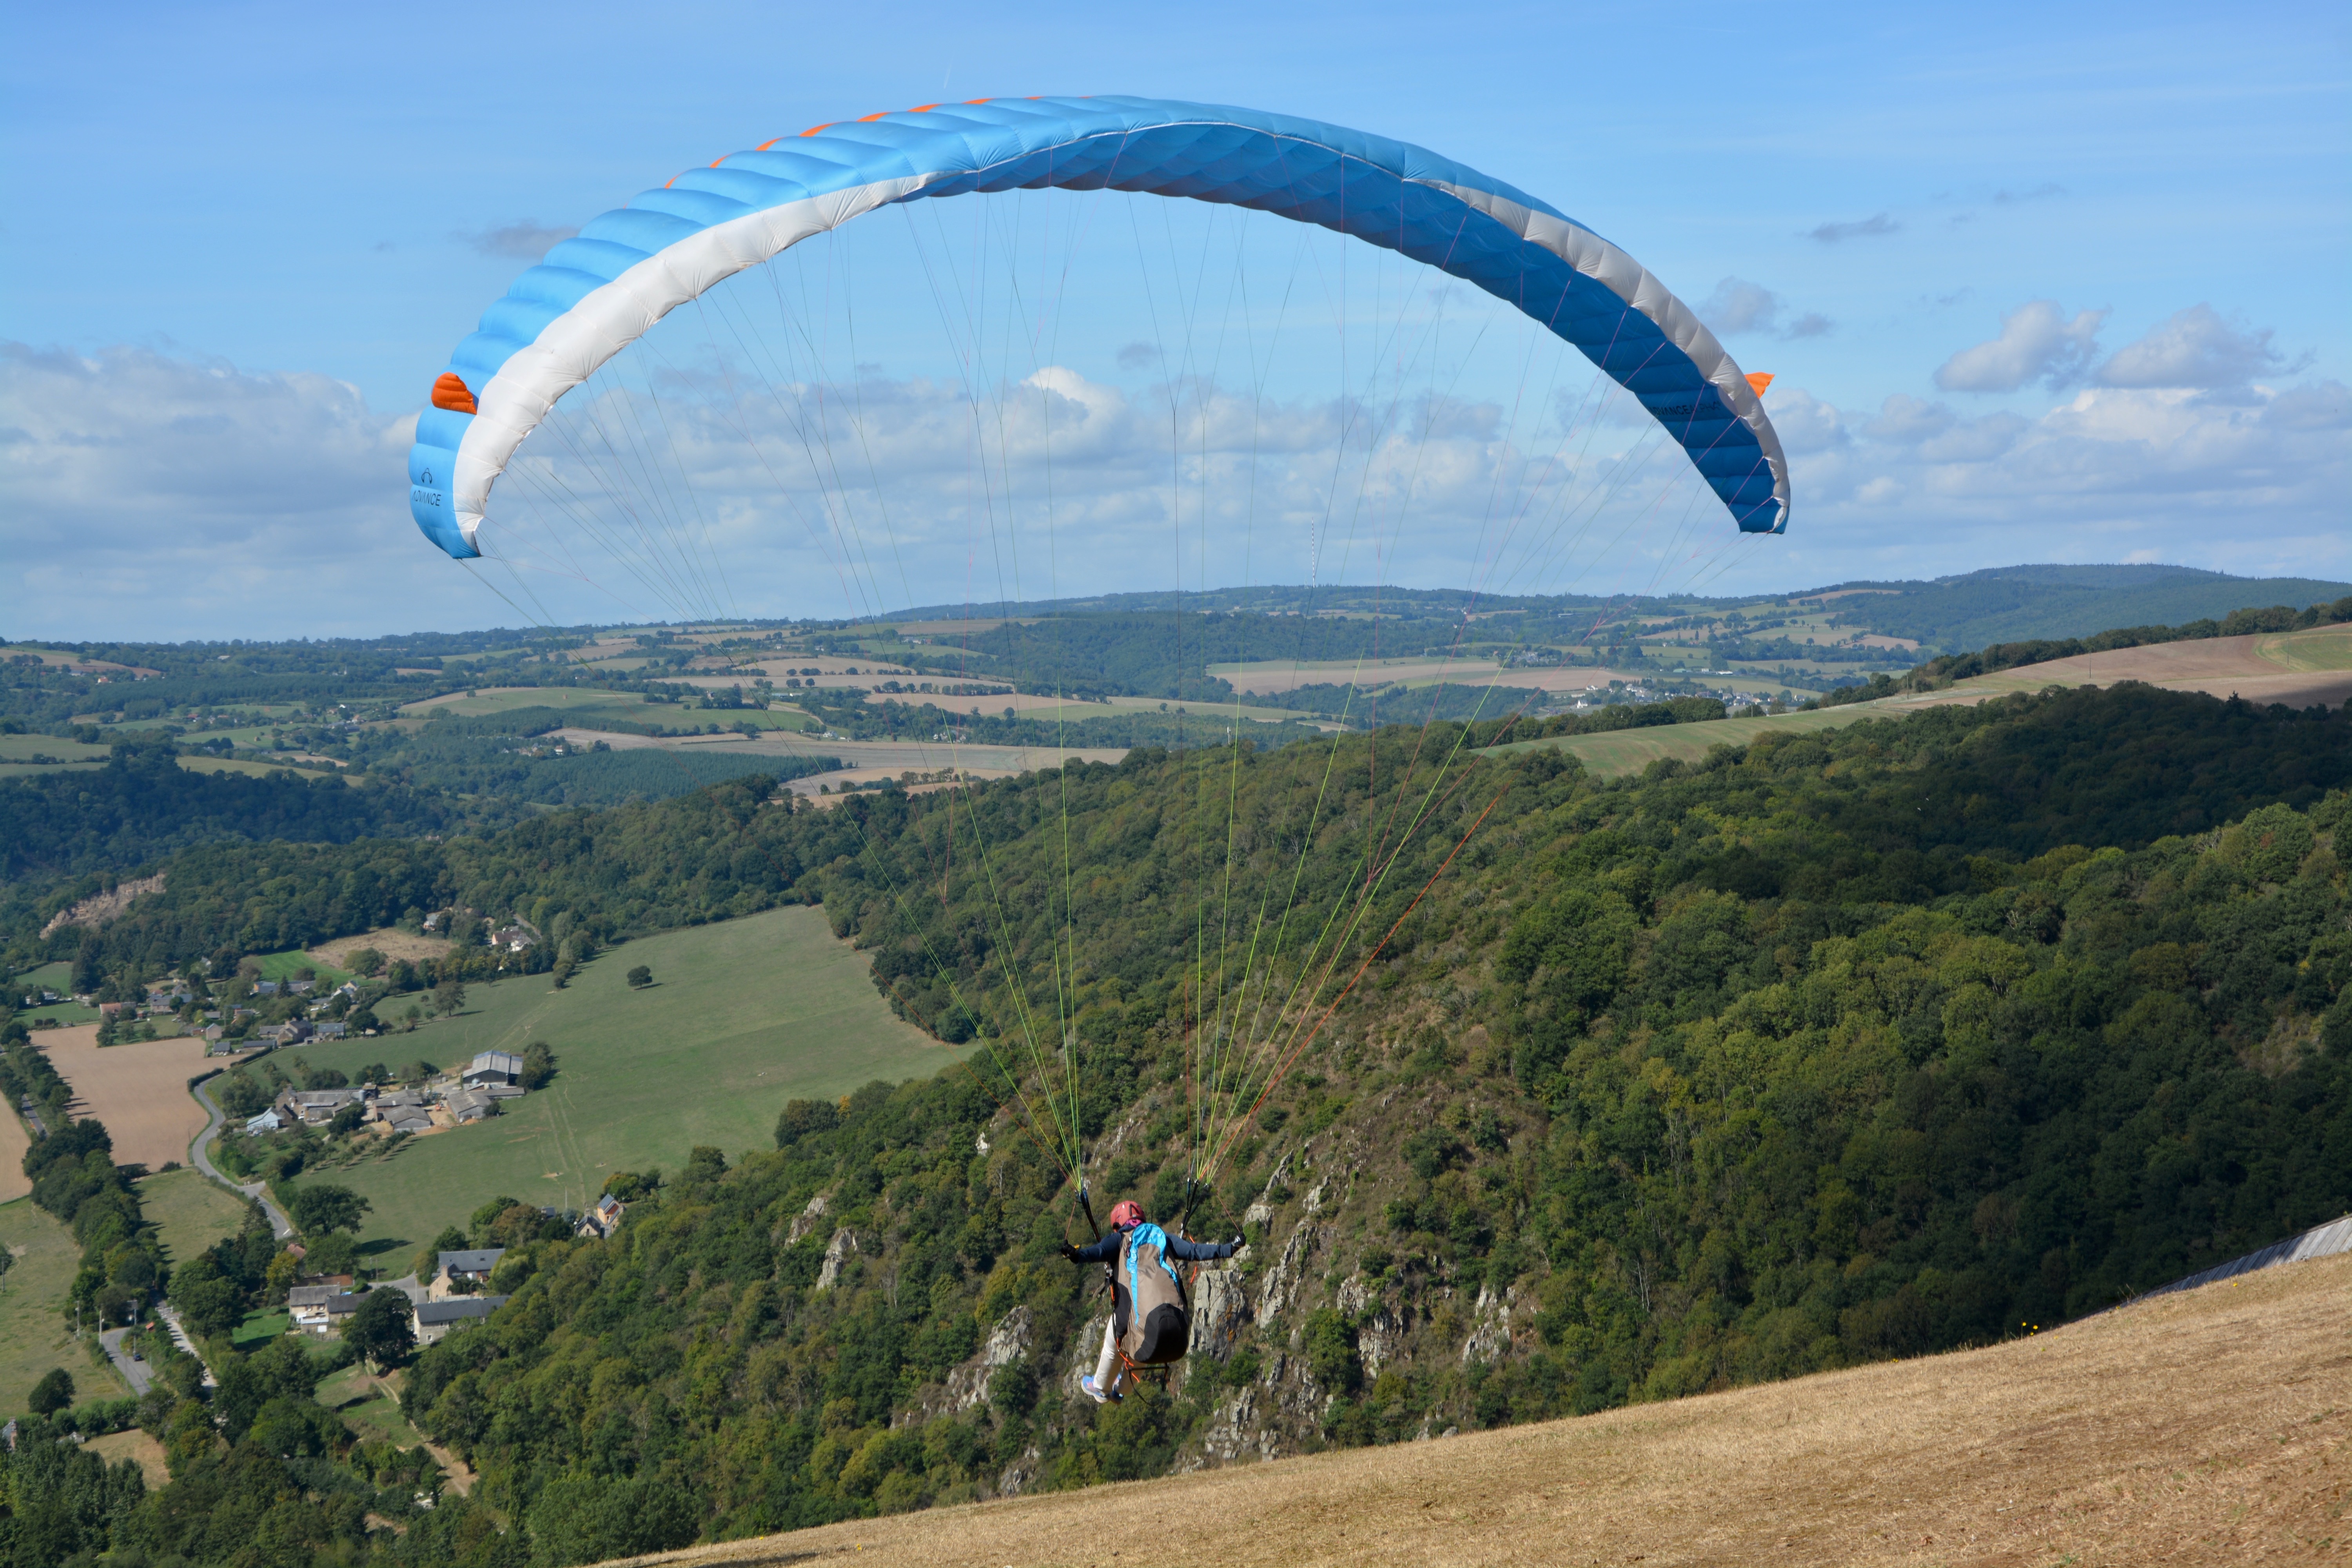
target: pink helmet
1127 1215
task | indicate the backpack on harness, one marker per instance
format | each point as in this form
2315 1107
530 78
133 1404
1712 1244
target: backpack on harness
1148 1306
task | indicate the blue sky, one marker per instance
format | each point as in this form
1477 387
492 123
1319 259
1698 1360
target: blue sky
2039 283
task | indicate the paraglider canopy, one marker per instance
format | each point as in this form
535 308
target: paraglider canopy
596 294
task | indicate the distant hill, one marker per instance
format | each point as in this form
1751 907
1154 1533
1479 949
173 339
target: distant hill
1947 615
2020 604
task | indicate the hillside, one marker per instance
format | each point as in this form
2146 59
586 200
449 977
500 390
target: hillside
1847 1047
2205 1427
2299 669
2020 604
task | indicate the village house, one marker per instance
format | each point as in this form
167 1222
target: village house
514 938
603 1219
319 1308
434 1319
451 1268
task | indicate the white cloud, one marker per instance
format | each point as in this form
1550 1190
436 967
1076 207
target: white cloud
1737 306
2251 483
2037 343
1871 227
526 240
150 491
2198 347
155 496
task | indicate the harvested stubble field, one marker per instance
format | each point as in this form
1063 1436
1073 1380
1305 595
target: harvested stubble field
1287 675
140 1091
386 940
2209 1427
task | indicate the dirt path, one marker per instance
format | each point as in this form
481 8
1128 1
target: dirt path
140 1091
2211 1426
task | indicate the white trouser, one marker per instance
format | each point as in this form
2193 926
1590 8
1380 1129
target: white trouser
1107 1371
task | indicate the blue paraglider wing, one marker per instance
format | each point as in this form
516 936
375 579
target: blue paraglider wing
596 294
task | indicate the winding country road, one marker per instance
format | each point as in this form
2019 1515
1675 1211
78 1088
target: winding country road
200 1155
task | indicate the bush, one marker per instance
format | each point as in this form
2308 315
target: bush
640 977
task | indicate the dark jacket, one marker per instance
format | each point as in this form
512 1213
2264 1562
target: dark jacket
1106 1249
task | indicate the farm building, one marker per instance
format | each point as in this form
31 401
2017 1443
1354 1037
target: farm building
434 1319
466 1106
267 1121
315 1106
492 1066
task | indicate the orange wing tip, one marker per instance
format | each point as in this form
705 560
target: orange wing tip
452 393
1759 380
815 129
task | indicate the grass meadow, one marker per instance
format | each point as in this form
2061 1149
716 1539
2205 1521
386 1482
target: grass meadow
1618 751
34 1334
745 1014
189 1212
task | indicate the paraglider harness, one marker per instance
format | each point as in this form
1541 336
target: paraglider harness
1151 1310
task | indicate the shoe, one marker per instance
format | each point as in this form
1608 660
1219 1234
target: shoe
1097 1395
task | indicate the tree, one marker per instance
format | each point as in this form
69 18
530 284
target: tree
538 1065
381 1330
640 977
367 961
326 1207
54 1392
449 996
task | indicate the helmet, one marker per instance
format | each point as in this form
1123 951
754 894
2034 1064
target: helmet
1127 1215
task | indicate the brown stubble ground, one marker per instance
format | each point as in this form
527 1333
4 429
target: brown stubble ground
140 1091
2207 1427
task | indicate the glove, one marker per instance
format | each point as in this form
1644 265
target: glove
1237 1243
1070 1252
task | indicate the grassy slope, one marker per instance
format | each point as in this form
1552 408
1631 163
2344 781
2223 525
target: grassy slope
190 1213
747 1015
34 1334
2205 1427
1629 750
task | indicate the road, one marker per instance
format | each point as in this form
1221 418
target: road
200 1155
135 1370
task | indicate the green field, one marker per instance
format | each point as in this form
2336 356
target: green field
257 769
34 1334
1629 750
366 1409
747 1015
19 751
506 699
288 965
189 1212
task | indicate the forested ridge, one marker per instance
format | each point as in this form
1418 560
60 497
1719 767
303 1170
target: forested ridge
1865 1043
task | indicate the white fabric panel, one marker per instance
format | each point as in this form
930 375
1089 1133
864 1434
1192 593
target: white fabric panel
1632 282
608 319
